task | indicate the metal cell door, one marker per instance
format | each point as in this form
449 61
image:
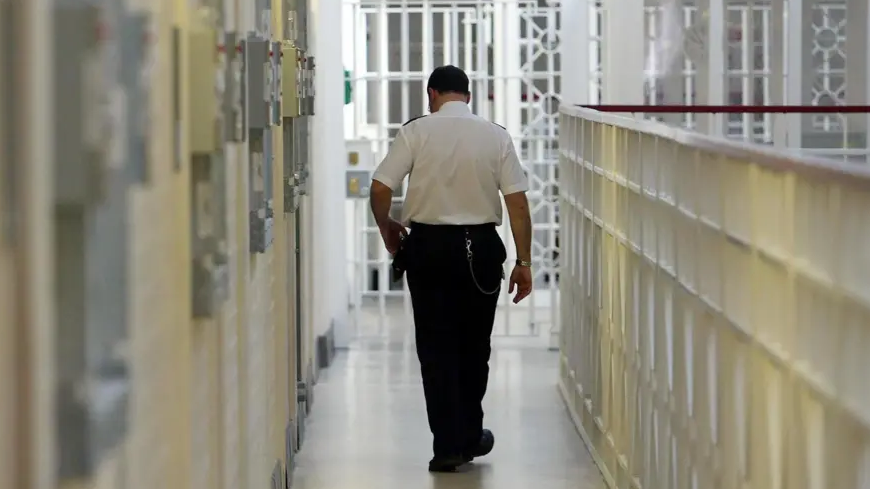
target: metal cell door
508 48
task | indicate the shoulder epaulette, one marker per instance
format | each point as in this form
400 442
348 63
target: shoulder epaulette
413 119
499 125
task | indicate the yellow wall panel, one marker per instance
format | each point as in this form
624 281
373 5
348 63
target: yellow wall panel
33 287
232 324
210 398
259 380
281 385
157 443
7 300
8 368
242 258
8 408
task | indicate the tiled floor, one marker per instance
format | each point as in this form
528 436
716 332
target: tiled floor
368 428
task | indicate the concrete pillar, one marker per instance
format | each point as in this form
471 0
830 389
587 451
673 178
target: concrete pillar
37 342
857 68
711 84
574 49
623 47
330 287
800 72
778 67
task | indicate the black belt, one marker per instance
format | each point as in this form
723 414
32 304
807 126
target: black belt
450 228
460 230
467 232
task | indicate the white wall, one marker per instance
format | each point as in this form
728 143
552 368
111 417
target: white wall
576 66
327 172
623 55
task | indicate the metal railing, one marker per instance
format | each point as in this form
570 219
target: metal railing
715 308
836 132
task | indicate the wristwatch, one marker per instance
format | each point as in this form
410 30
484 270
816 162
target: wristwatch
521 263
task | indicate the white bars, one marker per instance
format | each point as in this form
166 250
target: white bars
509 50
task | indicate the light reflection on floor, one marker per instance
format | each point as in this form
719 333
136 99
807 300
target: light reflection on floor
368 428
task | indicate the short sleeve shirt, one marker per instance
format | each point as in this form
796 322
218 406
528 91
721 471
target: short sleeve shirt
458 164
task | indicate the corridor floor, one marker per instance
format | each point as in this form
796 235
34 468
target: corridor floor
368 427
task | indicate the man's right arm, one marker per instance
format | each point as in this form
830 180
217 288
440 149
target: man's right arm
514 184
521 224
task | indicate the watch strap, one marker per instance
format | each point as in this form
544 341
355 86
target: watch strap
521 263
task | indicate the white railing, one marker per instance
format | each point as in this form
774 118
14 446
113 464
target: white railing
716 309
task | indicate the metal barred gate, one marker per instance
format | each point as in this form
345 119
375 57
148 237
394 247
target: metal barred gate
758 35
509 50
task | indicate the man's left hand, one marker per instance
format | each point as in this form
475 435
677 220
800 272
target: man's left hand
392 233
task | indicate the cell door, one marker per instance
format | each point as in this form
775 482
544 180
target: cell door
508 48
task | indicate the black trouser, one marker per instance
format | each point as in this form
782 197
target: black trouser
453 321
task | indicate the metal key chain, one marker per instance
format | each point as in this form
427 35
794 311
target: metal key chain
470 256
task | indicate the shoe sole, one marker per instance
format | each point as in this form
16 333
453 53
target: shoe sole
447 466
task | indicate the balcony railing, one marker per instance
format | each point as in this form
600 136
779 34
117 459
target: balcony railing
836 131
715 305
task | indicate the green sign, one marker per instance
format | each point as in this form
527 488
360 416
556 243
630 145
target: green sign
348 88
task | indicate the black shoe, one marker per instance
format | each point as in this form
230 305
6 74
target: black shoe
484 446
445 464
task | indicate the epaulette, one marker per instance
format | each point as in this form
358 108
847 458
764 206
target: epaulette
413 119
499 125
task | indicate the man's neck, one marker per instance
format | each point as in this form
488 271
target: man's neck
449 101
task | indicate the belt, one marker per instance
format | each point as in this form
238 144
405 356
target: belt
454 228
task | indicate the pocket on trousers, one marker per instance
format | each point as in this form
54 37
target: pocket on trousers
488 274
407 252
502 250
490 247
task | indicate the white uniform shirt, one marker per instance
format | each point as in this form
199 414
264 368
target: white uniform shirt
458 163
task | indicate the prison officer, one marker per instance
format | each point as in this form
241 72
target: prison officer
458 163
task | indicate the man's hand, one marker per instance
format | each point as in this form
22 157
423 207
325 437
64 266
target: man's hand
392 232
521 279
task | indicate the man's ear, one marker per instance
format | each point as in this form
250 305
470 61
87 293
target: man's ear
468 98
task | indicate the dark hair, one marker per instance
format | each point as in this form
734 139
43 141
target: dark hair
447 79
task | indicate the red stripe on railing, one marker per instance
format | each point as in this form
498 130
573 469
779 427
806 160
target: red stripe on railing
732 109
523 97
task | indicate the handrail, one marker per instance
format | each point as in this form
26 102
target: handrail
714 303
731 109
763 155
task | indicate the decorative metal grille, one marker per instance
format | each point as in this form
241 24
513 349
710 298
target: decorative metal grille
509 48
748 70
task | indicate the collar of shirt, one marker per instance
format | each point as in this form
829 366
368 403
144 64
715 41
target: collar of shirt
454 108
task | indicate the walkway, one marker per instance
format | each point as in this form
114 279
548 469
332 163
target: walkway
369 431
